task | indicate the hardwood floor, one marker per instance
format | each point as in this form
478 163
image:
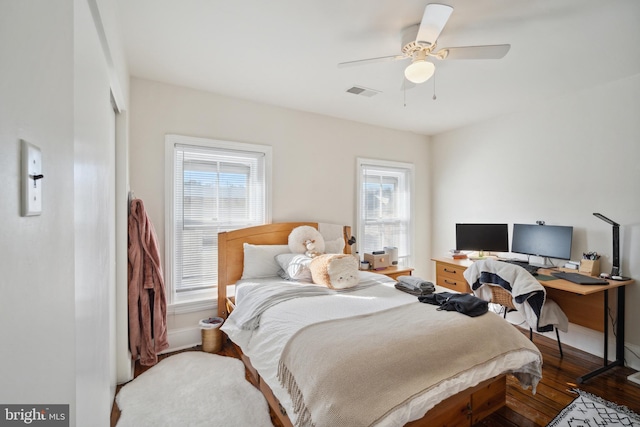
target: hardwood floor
524 409
559 376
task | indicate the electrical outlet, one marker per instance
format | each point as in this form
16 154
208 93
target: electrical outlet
31 179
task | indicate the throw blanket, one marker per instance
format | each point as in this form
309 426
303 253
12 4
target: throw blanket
528 294
147 301
264 296
353 371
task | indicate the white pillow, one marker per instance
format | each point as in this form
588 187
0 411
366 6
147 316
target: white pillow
295 266
259 260
334 246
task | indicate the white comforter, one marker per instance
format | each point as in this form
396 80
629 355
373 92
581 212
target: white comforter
265 344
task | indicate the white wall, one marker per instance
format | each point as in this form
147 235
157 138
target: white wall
558 162
37 295
314 159
94 210
57 305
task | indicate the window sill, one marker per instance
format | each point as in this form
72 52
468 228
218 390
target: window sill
193 306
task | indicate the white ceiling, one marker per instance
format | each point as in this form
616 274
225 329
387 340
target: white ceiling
285 53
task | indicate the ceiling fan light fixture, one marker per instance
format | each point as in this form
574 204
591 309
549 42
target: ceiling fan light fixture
419 71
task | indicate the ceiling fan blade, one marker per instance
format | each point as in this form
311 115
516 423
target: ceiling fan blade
433 21
371 60
495 51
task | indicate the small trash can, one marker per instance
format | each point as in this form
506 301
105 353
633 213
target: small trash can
211 334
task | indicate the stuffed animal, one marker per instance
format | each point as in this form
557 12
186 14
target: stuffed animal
311 248
300 235
335 271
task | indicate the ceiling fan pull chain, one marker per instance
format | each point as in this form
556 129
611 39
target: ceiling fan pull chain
434 86
404 92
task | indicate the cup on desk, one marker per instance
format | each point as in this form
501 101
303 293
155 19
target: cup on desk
590 267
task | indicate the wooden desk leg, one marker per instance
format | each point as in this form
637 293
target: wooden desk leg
619 336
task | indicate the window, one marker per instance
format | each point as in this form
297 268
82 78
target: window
212 186
384 207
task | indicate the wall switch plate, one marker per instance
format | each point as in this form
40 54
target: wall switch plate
31 178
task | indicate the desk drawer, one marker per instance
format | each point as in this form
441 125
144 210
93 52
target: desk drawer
451 276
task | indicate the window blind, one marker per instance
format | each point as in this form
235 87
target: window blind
214 190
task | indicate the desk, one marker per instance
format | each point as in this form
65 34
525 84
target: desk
583 305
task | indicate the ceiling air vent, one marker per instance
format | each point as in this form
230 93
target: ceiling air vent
363 91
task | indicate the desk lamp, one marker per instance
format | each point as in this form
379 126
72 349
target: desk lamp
615 269
615 272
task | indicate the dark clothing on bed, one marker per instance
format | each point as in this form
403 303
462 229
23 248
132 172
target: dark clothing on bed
462 303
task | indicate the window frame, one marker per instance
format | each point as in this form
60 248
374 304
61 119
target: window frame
200 299
408 170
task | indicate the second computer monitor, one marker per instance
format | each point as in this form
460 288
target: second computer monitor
551 241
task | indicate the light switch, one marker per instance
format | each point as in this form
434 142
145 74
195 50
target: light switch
31 179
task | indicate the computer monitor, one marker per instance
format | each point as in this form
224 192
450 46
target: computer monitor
549 241
482 237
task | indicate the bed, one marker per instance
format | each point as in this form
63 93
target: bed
368 355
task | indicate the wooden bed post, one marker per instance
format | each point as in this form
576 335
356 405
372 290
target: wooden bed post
346 235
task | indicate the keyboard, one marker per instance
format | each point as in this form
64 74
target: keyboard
532 269
580 279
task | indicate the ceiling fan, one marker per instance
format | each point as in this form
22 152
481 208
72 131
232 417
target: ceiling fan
419 42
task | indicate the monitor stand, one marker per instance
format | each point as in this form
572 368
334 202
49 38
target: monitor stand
476 256
480 255
542 262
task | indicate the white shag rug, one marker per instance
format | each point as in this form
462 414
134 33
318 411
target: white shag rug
193 389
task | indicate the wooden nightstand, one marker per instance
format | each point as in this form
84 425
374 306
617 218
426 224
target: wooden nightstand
394 271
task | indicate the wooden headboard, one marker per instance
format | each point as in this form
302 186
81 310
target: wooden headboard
231 251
